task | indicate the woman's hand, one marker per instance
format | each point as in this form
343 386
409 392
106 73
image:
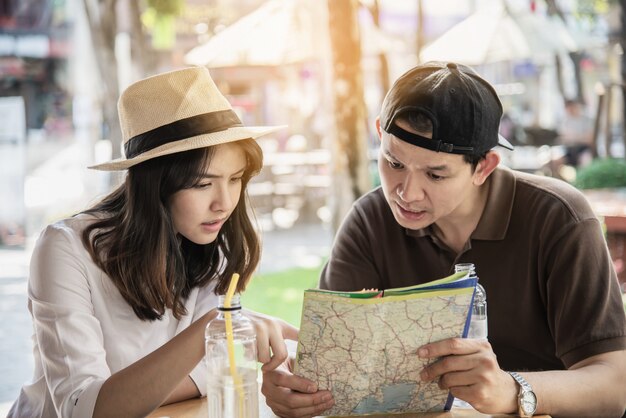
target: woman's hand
270 339
293 396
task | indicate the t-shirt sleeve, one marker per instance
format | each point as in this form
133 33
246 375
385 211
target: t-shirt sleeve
67 332
205 301
351 265
585 310
199 377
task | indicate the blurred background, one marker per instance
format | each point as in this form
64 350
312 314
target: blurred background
321 67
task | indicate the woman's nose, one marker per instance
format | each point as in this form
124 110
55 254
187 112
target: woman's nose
222 201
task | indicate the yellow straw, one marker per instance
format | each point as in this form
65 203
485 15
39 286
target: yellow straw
231 343
232 286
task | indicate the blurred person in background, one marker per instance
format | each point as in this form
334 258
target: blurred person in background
575 132
121 293
557 329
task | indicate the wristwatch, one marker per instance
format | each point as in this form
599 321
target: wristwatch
526 398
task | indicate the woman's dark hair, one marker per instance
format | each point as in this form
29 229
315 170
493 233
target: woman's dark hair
134 242
421 123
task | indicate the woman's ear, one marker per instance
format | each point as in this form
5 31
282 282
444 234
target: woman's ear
485 167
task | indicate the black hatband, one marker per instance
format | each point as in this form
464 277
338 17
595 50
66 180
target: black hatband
428 143
184 128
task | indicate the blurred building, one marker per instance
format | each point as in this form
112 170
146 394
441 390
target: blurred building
35 44
34 48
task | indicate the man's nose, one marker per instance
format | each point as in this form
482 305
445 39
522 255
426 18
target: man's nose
411 190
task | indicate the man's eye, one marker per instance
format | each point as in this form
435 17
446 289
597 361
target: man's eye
394 165
435 177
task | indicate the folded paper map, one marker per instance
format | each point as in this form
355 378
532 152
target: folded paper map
362 346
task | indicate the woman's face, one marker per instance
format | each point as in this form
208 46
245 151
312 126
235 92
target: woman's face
198 213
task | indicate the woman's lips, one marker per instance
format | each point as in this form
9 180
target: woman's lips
213 226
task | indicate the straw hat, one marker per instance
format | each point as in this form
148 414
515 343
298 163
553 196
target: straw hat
174 112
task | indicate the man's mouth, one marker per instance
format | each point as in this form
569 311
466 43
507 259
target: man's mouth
411 214
409 209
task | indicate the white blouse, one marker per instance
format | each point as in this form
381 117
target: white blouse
84 331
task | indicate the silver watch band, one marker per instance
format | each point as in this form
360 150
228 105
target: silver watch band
522 382
526 398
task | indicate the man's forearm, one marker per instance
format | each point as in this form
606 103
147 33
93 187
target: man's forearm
593 387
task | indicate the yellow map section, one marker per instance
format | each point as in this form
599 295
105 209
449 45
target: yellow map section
365 350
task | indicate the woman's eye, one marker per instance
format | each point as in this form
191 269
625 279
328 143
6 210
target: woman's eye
236 179
202 185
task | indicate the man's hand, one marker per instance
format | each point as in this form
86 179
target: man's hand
470 370
292 396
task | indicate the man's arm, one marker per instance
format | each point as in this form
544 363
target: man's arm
351 264
595 386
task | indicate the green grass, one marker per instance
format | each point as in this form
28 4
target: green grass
280 294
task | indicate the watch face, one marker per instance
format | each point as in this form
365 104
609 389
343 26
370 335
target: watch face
528 402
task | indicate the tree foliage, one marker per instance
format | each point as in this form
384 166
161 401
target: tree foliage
602 173
167 7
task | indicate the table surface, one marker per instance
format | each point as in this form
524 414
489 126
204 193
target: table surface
196 408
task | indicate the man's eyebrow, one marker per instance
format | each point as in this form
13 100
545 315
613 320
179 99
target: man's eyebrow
442 167
437 167
389 155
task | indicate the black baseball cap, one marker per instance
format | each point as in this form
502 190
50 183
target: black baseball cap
464 109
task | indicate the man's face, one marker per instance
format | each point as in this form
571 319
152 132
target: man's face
421 186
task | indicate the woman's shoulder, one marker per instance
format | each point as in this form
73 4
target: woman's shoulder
68 229
75 224
58 253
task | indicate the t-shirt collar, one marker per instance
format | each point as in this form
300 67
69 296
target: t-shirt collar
496 216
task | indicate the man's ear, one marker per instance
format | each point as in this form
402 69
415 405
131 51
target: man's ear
485 167
380 132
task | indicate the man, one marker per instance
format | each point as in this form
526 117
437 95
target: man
576 134
555 312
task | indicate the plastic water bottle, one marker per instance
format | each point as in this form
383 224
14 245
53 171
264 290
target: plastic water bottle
231 395
478 322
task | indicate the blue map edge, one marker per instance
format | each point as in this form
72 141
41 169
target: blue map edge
450 401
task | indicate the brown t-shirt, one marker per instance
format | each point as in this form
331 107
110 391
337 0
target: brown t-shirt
539 251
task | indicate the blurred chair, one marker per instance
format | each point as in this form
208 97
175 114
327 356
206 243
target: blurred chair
537 136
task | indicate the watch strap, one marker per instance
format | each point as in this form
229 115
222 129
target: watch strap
521 381
524 388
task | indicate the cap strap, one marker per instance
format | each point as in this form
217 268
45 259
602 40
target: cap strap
205 123
428 143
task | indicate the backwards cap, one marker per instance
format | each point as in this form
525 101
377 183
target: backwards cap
464 109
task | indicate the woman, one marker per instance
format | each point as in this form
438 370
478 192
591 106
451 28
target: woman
120 294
